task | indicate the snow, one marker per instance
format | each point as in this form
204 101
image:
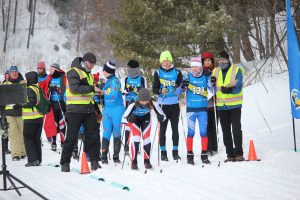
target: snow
277 176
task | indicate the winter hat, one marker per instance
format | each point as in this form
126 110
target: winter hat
223 54
56 66
133 72
13 68
133 64
89 57
196 62
41 65
6 72
32 77
110 67
165 55
144 95
207 54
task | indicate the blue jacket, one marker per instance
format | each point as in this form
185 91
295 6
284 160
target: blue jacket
113 94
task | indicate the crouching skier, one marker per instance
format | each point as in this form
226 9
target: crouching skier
196 85
112 112
138 117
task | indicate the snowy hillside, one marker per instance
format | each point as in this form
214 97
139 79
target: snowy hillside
277 176
50 42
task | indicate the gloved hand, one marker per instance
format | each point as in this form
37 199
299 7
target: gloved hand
52 88
164 90
213 80
130 89
226 90
160 118
17 107
131 118
207 72
185 82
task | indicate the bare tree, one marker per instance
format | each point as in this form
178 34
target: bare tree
30 23
3 15
33 18
6 30
15 18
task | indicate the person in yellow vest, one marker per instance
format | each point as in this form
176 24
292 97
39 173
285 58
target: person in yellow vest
228 80
81 110
14 118
33 121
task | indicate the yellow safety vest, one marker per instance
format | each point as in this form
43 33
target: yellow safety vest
73 98
32 113
227 99
9 106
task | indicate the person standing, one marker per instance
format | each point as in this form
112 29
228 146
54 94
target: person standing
33 121
41 70
112 112
133 83
208 61
81 110
166 85
54 87
138 118
196 85
14 118
228 79
6 79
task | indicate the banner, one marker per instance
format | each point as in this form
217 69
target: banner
293 62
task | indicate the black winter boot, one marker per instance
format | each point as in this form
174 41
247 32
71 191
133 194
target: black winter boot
105 145
204 157
190 158
95 165
175 155
134 165
65 167
147 164
164 156
104 157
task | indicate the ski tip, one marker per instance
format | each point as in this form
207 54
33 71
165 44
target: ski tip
126 188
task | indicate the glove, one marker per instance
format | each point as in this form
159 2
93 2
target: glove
207 72
185 83
226 90
130 89
160 118
52 88
131 118
164 90
213 80
17 107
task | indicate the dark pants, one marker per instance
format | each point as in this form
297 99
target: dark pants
32 132
172 113
231 120
211 131
92 139
59 109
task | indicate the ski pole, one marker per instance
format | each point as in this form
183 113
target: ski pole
215 114
183 129
80 148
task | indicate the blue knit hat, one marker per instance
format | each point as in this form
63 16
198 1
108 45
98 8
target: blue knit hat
13 68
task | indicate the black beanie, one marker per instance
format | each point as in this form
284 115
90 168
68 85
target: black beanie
31 77
223 54
110 67
133 64
89 57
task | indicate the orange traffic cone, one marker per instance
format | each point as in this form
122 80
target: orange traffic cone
84 165
252 153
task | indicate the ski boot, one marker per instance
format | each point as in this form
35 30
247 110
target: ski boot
204 158
190 158
147 164
117 147
134 165
65 167
164 156
175 155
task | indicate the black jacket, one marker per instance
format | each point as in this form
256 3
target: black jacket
17 109
156 82
78 86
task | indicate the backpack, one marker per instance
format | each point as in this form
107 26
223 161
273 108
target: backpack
44 105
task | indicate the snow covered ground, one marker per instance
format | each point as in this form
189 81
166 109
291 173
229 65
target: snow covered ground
277 176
